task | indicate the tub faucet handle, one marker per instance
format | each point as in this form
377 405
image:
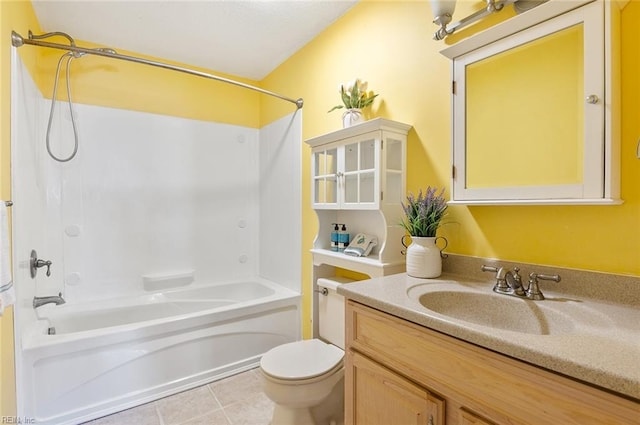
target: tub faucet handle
42 263
35 263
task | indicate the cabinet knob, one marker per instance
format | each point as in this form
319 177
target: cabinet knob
592 99
431 420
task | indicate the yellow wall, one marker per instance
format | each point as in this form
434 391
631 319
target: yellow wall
389 44
128 85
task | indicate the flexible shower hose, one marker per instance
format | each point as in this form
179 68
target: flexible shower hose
70 56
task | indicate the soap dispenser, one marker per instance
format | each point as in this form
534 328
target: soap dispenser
343 238
335 239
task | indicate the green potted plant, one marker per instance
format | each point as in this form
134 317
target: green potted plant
355 97
423 218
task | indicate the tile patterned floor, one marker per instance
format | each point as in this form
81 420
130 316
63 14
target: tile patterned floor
236 400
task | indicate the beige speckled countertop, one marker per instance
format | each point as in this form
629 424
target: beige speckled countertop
598 342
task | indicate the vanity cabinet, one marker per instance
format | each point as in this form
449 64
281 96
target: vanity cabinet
425 377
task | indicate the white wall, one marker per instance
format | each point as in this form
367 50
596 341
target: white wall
280 206
152 194
157 195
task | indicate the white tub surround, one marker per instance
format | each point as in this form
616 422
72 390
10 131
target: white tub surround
176 244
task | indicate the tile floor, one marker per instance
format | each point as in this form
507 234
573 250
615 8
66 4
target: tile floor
236 400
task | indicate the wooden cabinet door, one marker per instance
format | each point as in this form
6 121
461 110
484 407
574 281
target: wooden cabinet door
468 418
377 396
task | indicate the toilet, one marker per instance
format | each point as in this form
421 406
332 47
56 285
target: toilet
305 379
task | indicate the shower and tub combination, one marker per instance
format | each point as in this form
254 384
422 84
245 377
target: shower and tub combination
173 247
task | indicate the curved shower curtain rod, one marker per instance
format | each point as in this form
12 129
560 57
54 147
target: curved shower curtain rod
17 40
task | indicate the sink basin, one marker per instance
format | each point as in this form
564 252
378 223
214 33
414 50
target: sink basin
498 311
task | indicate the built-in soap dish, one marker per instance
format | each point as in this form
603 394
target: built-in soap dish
167 280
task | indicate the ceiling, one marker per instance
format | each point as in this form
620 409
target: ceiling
245 38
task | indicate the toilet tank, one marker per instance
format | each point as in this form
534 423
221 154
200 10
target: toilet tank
331 310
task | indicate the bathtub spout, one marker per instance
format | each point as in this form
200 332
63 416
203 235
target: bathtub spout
38 301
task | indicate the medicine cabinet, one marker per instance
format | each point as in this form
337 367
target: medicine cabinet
535 108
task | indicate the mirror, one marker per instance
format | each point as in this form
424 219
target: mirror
533 115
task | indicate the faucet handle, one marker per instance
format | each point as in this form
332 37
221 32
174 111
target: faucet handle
533 291
501 285
35 263
42 263
489 269
554 277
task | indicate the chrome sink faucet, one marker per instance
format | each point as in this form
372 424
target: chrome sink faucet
39 301
509 282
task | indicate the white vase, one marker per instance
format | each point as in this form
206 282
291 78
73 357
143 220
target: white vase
423 257
352 117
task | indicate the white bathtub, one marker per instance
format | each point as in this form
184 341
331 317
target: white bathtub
111 355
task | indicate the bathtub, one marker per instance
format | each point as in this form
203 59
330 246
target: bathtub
111 355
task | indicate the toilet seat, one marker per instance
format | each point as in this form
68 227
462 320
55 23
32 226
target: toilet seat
301 360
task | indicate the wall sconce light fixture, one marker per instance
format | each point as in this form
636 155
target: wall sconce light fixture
443 13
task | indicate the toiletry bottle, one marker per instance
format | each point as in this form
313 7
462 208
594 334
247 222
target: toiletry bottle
335 237
343 238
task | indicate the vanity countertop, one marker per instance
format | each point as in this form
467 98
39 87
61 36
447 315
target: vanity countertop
603 349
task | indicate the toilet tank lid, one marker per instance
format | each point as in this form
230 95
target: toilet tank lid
332 282
301 359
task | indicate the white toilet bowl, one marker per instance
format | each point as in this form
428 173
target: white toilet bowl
301 375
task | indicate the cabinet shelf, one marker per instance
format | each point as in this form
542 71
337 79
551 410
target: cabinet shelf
366 265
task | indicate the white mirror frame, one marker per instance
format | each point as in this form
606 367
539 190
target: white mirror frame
602 145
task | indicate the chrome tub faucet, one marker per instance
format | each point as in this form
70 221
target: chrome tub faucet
56 299
509 282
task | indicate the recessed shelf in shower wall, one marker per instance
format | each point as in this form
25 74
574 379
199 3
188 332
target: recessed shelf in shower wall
167 280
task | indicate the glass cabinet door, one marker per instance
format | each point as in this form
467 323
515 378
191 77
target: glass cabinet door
325 175
394 166
359 172
351 173
368 171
